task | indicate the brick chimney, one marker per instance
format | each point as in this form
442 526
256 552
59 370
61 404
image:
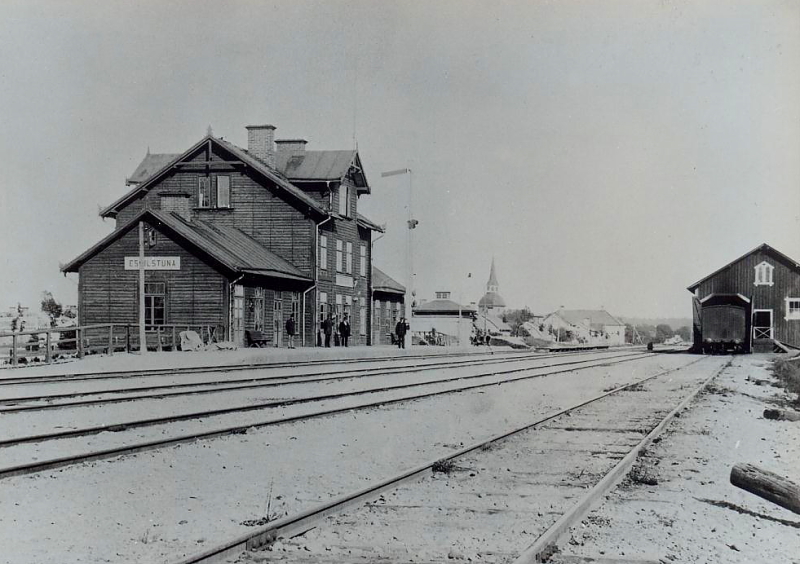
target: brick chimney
291 147
261 143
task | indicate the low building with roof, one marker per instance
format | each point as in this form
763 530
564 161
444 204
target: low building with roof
444 316
586 326
236 240
388 300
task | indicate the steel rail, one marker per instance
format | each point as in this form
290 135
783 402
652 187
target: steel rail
139 423
581 508
41 465
147 372
245 383
302 521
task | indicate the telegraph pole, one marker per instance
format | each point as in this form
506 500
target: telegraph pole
142 335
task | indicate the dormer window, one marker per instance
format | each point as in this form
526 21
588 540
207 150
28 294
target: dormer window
764 274
204 193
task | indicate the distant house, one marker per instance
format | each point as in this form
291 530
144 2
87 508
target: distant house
587 326
445 317
388 299
765 284
236 240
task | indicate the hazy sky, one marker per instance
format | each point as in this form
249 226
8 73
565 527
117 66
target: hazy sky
605 153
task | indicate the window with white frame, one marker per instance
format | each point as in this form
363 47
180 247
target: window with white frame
349 257
764 274
362 264
339 308
339 261
323 306
296 306
204 192
343 194
323 252
792 308
223 191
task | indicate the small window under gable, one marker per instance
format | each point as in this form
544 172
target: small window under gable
223 191
204 192
764 274
792 308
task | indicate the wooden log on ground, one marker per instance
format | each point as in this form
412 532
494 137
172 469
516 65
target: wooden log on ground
781 415
768 485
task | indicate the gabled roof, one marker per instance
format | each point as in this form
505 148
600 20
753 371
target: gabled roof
382 282
321 166
598 318
764 248
151 164
231 248
443 306
367 224
248 159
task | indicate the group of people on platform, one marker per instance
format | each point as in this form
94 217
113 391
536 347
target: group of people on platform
342 331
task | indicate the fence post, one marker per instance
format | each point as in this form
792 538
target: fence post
79 336
47 356
174 346
110 338
14 350
128 338
158 337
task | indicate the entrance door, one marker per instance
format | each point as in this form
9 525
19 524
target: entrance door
237 315
762 324
277 319
258 309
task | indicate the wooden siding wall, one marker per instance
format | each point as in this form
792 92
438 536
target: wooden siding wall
739 278
346 230
196 294
259 209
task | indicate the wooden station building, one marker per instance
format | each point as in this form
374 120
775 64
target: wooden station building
765 285
236 240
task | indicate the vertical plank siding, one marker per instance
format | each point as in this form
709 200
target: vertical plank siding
109 294
739 278
199 292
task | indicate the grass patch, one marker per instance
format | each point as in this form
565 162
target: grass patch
444 466
788 374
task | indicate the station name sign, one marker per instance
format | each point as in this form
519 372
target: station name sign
154 263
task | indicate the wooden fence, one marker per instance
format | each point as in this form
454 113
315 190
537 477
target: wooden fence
45 345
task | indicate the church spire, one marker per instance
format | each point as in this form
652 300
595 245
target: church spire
492 285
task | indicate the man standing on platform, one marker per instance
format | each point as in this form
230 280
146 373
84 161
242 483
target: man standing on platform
344 330
327 329
400 330
290 331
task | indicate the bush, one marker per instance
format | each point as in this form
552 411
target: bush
788 374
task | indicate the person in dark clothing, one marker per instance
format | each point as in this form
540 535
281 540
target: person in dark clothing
400 330
290 330
327 328
344 331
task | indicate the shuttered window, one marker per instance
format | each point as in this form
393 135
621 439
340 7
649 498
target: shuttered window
349 258
223 191
323 252
204 193
323 306
339 264
362 266
343 200
764 274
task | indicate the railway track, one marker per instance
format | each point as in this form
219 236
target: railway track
125 444
48 401
160 372
506 499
